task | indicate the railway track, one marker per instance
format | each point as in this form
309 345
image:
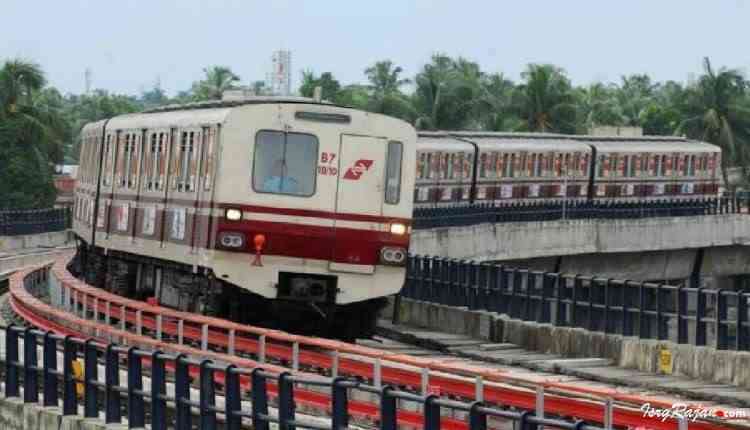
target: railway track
75 308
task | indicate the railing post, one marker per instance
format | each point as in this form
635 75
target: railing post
233 401
136 406
340 404
158 391
30 367
207 397
431 413
642 316
112 382
682 322
90 377
11 362
182 393
700 314
70 397
740 342
574 319
286 401
387 409
721 316
50 367
607 297
260 400
477 419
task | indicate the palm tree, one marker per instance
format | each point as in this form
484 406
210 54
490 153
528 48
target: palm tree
545 99
218 79
447 93
19 79
597 105
29 134
495 104
634 95
716 112
385 85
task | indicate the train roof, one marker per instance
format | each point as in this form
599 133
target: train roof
214 104
458 141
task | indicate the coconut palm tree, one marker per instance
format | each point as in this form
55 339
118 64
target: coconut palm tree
597 105
545 99
29 134
495 104
218 79
446 93
385 87
717 112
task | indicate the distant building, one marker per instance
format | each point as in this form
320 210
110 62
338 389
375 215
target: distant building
65 182
280 78
614 130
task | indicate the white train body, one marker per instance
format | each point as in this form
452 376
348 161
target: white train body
285 198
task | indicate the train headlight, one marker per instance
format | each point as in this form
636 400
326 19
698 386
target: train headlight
232 240
393 256
398 229
233 214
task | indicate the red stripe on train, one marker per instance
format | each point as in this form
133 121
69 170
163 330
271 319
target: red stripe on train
341 245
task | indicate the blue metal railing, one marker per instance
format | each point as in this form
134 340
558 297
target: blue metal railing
686 315
21 222
112 395
572 210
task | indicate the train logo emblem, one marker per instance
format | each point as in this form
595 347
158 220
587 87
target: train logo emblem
360 167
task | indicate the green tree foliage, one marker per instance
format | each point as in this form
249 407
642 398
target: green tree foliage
30 135
447 93
545 100
330 87
717 111
385 90
596 105
217 80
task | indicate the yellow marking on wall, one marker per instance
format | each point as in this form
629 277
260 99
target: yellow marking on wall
665 361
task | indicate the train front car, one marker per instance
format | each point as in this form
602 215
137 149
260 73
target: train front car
281 212
313 211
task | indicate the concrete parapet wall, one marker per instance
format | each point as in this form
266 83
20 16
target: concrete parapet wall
15 415
521 240
8 244
697 362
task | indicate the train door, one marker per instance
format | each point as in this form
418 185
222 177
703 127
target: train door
359 202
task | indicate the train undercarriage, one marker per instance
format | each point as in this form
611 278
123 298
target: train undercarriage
179 287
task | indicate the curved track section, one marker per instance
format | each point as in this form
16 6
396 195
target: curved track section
78 309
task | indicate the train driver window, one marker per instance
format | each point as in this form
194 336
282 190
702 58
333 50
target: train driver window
393 173
285 163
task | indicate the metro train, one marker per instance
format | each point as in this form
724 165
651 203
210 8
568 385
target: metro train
296 214
282 212
457 168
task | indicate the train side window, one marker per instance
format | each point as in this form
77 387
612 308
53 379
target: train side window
600 166
285 163
122 144
483 166
492 168
393 172
108 161
420 165
510 168
467 165
149 164
186 161
444 160
534 165
209 150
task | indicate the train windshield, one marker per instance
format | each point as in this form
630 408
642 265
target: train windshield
285 163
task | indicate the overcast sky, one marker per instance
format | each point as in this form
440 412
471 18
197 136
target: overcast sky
128 44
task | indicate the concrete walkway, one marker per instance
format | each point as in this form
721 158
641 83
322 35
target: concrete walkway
589 372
